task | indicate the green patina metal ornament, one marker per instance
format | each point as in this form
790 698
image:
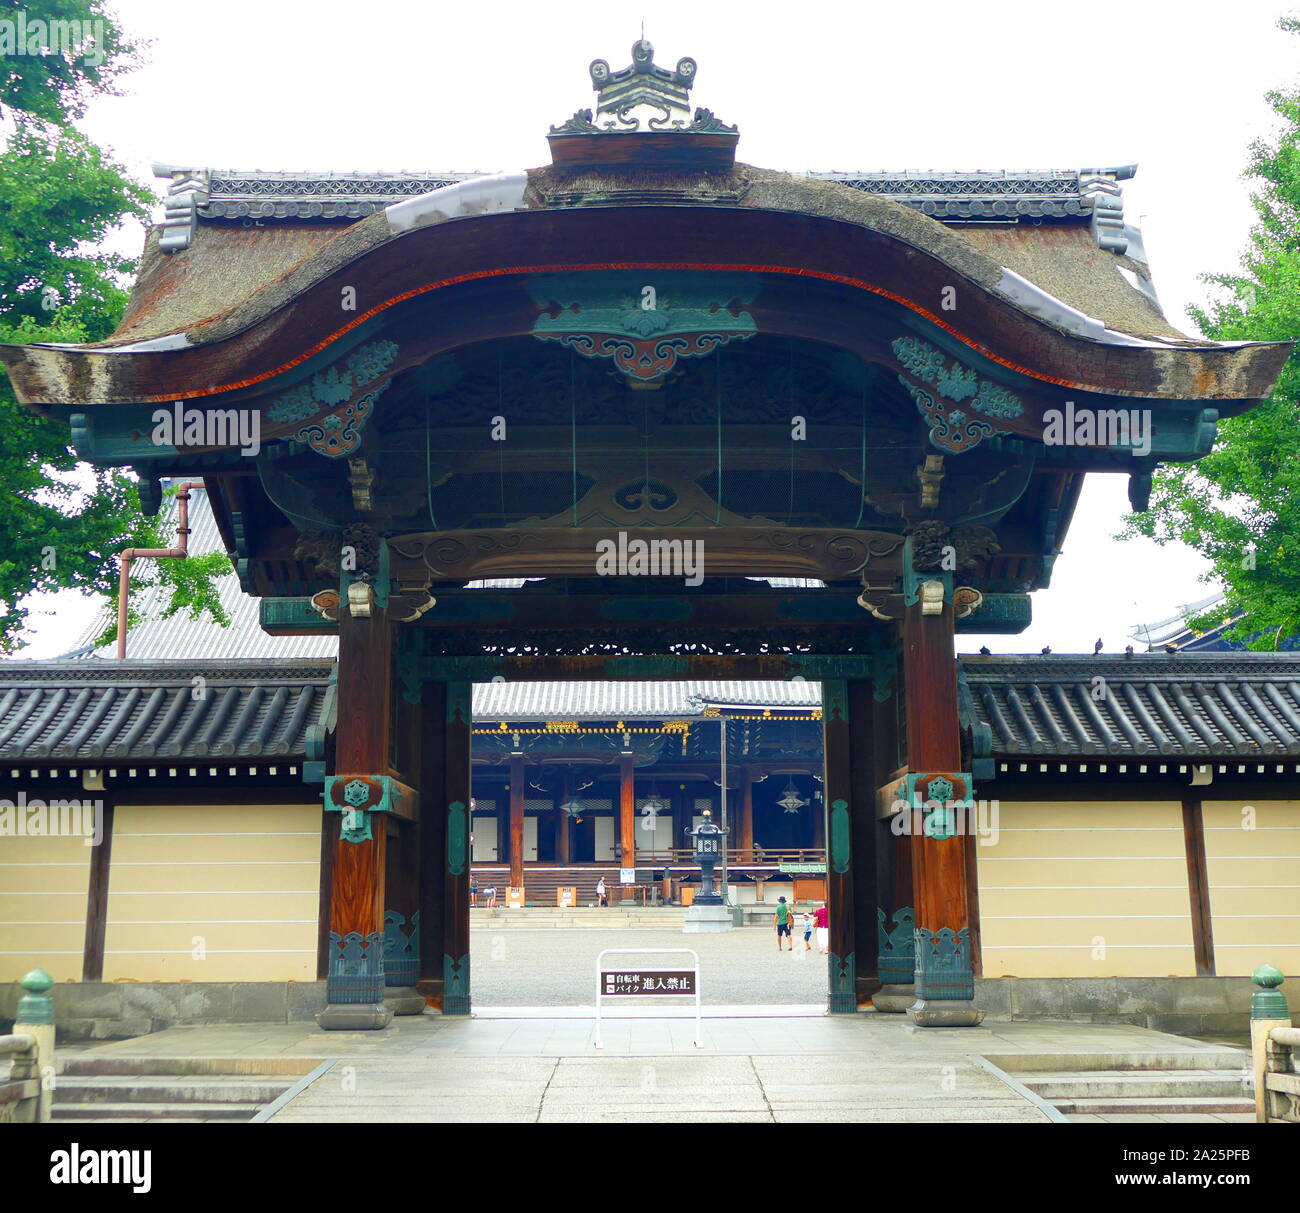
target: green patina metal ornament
841 844
645 320
1268 1001
943 967
843 981
457 838
35 1006
897 947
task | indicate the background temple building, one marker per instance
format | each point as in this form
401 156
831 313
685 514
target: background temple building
847 389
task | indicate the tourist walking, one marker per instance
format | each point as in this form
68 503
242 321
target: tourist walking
781 919
821 921
602 898
807 930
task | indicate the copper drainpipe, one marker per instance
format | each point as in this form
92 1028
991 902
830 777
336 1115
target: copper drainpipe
180 552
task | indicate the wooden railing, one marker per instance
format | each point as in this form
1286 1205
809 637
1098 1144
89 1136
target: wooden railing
735 855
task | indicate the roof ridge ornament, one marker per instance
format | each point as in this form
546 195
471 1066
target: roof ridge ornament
649 102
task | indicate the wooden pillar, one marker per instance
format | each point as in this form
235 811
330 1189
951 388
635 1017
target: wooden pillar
895 917
1198 887
92 960
563 833
864 778
431 707
944 975
837 798
626 811
402 908
360 792
747 816
819 822
456 796
849 799
517 787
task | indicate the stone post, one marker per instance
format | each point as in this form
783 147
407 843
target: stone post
36 1019
1268 1010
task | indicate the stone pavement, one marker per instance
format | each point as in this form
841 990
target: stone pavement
557 967
751 1068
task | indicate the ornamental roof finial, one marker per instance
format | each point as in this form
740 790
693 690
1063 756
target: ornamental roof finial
643 99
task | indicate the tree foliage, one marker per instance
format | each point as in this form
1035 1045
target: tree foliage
1239 506
61 522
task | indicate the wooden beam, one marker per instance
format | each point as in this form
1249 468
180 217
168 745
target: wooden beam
92 959
838 794
430 785
942 904
626 811
457 790
517 787
355 983
563 833
864 715
1198 887
747 815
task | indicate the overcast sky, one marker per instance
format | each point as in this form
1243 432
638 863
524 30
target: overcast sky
1174 85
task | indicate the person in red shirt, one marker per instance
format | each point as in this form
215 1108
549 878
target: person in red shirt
821 923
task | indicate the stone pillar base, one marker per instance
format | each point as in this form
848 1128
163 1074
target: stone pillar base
701 918
893 1000
403 1000
354 1017
944 1013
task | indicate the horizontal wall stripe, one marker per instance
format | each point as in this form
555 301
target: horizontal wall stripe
1082 858
211 922
1084 947
207 892
210 951
1021 888
1084 917
44 952
215 863
214 834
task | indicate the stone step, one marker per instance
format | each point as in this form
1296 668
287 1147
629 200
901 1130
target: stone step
150 1089
101 1065
1140 1105
125 1113
1080 1063
1151 1084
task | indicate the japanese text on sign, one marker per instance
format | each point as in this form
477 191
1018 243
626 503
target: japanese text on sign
658 981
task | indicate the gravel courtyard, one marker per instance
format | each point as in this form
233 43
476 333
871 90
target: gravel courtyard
557 967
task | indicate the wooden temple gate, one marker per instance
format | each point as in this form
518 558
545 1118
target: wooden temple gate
645 342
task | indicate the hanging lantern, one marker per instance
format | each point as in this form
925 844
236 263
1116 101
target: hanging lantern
575 808
791 802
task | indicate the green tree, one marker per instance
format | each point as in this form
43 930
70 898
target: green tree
63 522
1239 506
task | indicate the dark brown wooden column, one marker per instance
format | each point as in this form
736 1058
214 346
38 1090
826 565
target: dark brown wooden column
1198 888
456 796
563 848
92 960
360 791
517 786
838 796
432 709
626 811
944 974
865 832
747 816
